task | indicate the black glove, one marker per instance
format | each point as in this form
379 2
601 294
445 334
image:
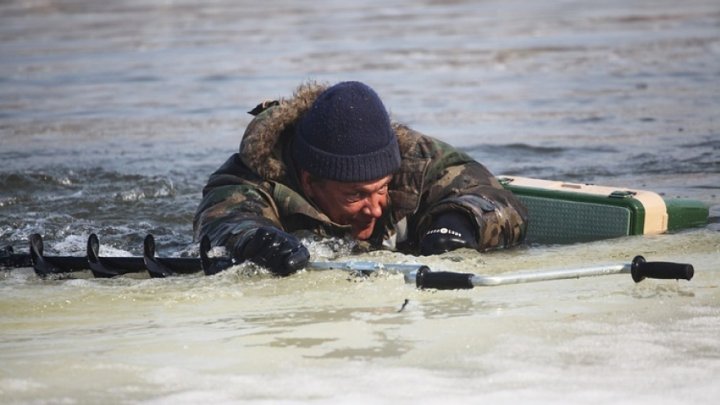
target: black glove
449 231
278 251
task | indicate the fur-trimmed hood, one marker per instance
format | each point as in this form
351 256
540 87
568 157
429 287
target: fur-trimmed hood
261 146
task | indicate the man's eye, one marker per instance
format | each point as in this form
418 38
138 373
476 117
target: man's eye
355 197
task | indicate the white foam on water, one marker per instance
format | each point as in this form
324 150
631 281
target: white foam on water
326 337
9 386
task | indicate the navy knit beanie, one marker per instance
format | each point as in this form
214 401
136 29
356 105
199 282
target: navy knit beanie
346 136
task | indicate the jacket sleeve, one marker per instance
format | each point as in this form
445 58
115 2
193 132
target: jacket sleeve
234 204
454 181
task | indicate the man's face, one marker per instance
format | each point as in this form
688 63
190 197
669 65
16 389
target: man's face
358 204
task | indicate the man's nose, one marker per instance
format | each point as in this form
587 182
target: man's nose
374 205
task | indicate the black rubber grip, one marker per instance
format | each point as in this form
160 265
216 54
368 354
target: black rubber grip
442 280
665 270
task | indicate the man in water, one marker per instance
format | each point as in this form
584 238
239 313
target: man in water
330 161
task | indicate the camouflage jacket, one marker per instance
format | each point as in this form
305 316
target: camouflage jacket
259 186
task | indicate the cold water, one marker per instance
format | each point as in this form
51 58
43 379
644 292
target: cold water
113 115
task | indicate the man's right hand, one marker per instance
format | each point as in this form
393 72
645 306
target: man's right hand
278 251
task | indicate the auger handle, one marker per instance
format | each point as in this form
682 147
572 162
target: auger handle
641 269
443 280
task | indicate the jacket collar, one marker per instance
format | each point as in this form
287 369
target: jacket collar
261 148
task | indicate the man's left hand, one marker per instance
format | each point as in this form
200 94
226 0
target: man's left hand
449 231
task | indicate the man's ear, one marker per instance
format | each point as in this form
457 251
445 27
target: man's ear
305 183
